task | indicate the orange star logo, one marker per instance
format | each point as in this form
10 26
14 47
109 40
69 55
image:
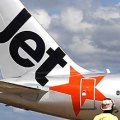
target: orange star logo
73 89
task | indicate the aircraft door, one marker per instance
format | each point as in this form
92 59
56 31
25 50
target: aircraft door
88 93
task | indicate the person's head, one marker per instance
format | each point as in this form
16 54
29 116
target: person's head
107 105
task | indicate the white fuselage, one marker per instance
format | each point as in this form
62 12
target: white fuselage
60 104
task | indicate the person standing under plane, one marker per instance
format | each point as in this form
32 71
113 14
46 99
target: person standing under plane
107 107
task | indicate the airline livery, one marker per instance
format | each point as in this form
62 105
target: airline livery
39 76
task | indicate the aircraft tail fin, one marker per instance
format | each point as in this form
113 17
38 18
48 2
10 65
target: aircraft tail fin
25 45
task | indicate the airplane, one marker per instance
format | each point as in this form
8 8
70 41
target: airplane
39 76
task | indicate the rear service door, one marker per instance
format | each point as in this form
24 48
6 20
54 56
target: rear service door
88 93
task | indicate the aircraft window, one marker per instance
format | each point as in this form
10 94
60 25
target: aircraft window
2 24
117 92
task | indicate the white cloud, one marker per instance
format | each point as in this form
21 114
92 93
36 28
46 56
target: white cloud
81 46
107 13
43 17
72 19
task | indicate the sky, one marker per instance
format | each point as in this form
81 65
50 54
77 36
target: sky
87 30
